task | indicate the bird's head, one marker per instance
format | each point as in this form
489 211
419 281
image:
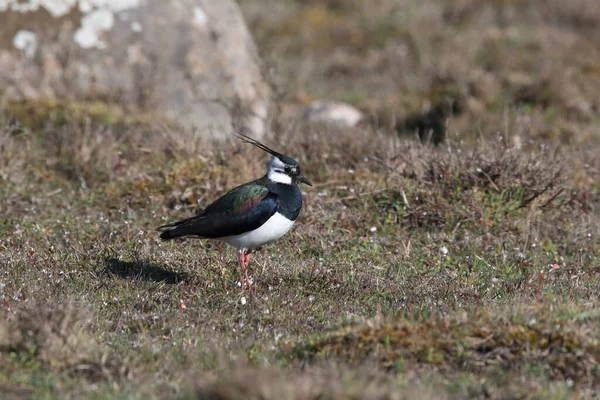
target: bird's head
284 169
281 168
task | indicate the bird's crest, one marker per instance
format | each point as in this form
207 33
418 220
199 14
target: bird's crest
254 142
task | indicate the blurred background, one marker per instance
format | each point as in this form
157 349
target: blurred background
526 68
473 67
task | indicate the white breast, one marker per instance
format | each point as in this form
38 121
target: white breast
273 229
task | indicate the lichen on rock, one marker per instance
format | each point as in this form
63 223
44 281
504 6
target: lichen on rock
194 63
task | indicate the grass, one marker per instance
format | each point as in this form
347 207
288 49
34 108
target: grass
424 263
468 269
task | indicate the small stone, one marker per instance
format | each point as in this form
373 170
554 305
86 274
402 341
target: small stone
333 112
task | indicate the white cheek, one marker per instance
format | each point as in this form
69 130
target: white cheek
279 177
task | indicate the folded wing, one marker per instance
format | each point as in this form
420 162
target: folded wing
242 209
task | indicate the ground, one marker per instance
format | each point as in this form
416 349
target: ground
467 269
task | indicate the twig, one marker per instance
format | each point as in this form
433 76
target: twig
404 198
551 199
536 195
489 179
380 161
54 192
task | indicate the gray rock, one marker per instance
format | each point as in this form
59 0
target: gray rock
193 61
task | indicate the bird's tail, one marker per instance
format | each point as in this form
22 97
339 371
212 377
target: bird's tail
174 230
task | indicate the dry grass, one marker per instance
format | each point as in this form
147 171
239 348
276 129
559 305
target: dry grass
482 340
466 270
318 383
404 61
57 336
423 236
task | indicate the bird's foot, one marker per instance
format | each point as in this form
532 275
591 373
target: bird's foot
246 285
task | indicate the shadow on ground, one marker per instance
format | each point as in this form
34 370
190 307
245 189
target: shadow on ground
142 270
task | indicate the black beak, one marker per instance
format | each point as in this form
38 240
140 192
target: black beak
304 180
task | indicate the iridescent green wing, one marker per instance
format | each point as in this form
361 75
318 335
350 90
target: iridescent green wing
242 209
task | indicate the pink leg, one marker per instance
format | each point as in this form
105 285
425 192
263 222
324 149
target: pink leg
244 261
247 261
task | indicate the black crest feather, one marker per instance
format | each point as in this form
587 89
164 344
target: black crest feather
254 142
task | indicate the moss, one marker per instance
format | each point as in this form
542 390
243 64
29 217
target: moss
37 114
459 340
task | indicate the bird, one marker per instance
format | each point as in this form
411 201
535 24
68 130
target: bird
250 215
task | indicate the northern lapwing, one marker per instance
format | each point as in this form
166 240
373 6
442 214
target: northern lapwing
250 215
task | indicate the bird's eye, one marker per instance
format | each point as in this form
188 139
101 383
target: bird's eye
288 169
